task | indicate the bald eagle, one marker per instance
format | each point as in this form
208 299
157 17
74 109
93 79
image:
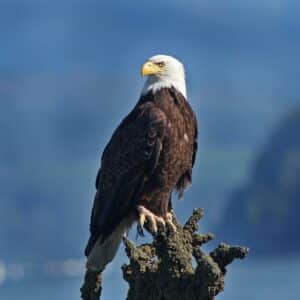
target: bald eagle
151 153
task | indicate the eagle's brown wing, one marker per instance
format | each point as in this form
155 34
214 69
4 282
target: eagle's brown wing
186 178
128 160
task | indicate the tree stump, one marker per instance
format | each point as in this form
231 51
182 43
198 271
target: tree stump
173 266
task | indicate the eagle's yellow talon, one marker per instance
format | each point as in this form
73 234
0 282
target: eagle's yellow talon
169 221
154 220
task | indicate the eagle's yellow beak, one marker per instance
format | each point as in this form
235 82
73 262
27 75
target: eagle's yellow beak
150 68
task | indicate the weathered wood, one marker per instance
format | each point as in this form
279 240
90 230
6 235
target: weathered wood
92 287
172 267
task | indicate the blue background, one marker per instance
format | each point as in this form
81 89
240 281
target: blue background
70 71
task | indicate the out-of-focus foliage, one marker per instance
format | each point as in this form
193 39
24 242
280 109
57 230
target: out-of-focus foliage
265 212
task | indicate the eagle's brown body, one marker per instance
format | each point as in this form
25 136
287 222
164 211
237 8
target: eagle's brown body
151 153
174 167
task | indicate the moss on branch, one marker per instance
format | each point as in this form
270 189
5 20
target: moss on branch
173 266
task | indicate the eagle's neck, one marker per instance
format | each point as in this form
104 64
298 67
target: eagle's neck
156 83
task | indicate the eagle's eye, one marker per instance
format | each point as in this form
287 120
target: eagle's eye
161 64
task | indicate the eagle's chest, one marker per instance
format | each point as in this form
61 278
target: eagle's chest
177 150
175 159
177 144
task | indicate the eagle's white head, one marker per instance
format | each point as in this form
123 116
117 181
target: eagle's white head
163 71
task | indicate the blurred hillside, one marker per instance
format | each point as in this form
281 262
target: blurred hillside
70 71
264 213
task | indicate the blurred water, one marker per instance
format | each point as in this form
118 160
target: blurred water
70 73
250 279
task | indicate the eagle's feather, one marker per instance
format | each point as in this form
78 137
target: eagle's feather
128 160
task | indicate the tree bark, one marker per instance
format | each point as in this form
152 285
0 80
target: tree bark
173 266
92 286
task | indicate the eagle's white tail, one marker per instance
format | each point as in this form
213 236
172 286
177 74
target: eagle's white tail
103 253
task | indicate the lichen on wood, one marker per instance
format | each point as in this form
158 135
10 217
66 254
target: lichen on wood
92 287
174 267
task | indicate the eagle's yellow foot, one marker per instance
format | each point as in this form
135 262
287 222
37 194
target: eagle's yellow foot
169 221
146 215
